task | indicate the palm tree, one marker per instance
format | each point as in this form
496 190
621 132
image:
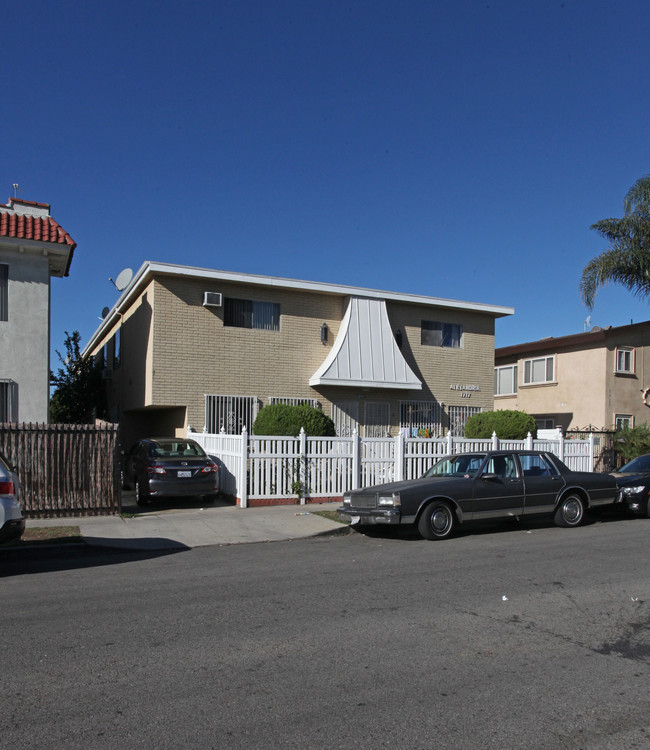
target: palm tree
627 261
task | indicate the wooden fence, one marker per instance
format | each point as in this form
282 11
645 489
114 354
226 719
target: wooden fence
64 469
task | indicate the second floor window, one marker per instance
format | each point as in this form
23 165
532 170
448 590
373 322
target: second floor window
625 360
441 334
505 380
246 313
540 370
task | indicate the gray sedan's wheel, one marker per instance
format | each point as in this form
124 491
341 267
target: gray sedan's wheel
140 497
437 521
570 511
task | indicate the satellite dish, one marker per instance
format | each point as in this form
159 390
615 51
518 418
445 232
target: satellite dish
105 312
123 279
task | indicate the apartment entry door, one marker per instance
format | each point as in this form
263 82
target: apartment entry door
376 418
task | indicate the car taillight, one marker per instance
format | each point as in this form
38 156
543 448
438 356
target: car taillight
155 469
6 488
209 468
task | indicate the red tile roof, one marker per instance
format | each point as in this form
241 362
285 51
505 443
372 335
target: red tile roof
28 227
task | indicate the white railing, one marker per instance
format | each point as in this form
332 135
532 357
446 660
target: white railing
271 469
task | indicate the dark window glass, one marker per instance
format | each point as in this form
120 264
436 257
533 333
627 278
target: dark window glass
441 334
245 313
4 291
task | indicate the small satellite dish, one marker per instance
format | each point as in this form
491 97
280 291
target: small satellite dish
105 312
123 279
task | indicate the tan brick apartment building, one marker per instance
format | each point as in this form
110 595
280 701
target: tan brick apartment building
599 379
195 347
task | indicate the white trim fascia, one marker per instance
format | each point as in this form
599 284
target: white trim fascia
150 268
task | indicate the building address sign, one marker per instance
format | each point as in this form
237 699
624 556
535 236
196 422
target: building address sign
466 390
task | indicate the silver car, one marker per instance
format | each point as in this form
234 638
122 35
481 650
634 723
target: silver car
12 521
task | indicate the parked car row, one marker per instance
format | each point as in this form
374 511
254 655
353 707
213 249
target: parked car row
468 487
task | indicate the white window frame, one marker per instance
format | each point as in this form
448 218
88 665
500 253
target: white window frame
625 363
498 373
623 420
529 366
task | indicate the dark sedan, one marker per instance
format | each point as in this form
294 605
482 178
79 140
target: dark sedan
633 481
170 467
486 485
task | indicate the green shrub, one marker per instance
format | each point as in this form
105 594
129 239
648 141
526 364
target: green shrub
630 442
508 425
284 419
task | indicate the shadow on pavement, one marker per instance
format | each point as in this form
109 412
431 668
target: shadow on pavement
46 559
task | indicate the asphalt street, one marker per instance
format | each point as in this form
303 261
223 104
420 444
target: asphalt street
506 637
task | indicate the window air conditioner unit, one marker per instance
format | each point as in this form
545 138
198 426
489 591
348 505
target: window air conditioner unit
212 299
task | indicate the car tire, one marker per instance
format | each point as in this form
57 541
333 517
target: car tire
437 521
570 512
140 497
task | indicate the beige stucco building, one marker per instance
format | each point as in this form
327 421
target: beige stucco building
189 347
599 379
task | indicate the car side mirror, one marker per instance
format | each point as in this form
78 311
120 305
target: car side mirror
490 477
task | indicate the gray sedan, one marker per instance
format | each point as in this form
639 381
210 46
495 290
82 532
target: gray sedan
478 486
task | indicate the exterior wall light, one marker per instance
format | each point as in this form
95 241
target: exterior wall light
323 333
398 337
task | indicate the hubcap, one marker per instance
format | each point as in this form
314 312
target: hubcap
572 511
440 521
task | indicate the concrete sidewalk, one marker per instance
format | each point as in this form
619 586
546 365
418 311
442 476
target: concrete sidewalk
200 527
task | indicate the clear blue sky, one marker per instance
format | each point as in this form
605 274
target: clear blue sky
457 149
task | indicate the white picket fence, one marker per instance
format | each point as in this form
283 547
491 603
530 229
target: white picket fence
270 470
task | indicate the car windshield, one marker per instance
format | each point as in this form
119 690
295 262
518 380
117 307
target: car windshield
639 464
176 448
462 465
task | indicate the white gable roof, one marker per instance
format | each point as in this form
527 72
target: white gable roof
365 353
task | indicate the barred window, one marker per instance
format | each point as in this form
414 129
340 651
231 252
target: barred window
294 401
421 418
458 416
230 413
246 313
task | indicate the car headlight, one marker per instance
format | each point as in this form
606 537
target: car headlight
347 500
634 490
389 500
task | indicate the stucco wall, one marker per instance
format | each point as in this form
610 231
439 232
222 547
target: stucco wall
24 337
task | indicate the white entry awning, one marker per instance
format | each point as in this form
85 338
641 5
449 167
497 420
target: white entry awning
365 353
